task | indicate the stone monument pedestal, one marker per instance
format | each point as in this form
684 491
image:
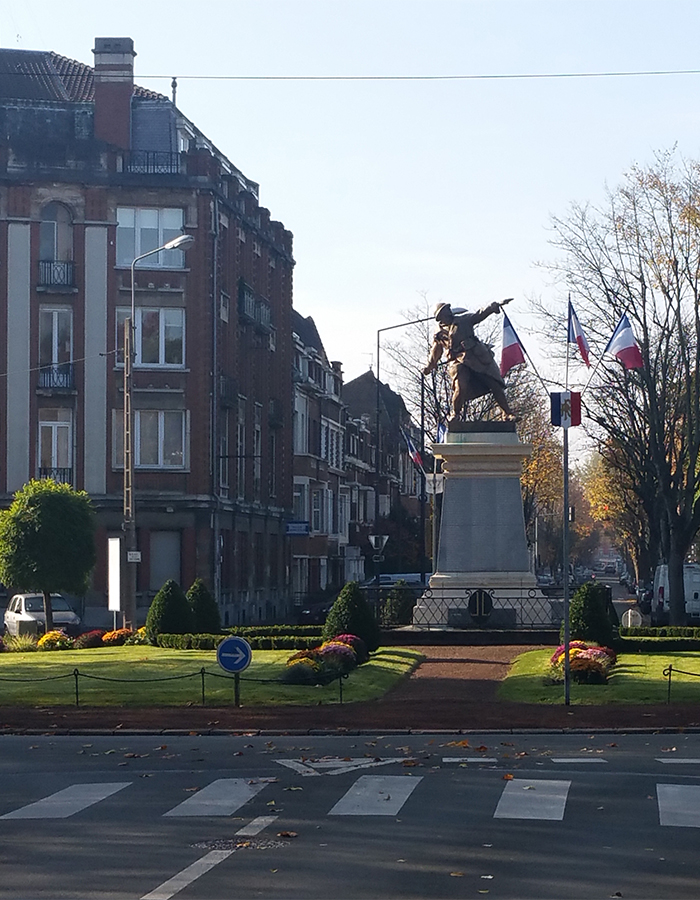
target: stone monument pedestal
483 572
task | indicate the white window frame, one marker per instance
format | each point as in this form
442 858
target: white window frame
124 312
54 426
54 312
167 222
161 465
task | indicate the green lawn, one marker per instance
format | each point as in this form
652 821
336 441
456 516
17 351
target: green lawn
636 678
46 678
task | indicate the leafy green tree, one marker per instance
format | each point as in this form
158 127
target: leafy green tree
206 618
350 614
47 541
169 612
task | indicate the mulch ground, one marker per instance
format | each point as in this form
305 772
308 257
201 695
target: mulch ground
454 689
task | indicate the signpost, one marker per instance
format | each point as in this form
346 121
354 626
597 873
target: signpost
234 654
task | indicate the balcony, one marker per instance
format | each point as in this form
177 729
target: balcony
56 273
57 378
151 162
61 474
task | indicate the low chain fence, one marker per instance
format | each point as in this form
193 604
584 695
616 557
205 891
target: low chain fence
202 674
668 674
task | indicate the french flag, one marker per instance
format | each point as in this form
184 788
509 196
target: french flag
512 352
624 346
412 451
566 408
576 335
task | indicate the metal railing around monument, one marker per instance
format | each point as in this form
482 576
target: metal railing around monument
465 607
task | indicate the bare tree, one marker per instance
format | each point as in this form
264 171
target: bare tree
640 255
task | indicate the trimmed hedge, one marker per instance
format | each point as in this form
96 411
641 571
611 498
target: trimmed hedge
666 631
246 631
212 641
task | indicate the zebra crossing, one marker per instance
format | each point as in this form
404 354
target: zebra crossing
521 798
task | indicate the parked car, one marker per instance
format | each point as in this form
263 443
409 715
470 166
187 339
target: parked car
25 608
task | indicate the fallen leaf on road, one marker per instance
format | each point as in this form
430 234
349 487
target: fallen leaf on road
457 874
294 789
522 753
482 749
668 749
287 834
464 743
508 776
189 790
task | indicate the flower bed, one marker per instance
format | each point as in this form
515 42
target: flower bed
55 640
588 663
332 659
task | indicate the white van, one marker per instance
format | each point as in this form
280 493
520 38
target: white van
691 583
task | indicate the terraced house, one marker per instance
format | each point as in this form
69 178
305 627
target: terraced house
94 173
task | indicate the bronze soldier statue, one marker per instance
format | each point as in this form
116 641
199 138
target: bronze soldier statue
470 362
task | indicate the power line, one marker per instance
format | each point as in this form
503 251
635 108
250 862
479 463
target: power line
482 77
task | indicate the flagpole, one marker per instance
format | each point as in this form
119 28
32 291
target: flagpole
565 549
565 532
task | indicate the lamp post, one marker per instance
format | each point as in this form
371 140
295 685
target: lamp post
378 448
181 242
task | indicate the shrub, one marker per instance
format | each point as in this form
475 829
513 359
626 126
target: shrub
20 643
169 613
2 646
116 638
397 606
89 639
303 671
205 611
137 637
350 614
357 644
587 665
55 640
588 617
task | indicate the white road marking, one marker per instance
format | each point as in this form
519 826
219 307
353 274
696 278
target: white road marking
337 765
376 795
679 804
533 799
577 759
469 759
256 826
677 760
175 884
220 798
67 802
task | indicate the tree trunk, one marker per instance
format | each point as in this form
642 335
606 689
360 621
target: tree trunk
48 612
676 587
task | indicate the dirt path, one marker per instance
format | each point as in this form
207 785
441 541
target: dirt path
454 689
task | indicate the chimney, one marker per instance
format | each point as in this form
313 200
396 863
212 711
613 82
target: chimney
114 86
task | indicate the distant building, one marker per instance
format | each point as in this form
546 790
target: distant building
95 171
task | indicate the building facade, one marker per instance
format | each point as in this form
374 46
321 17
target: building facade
94 172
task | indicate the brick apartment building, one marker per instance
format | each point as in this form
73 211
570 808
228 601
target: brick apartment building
95 171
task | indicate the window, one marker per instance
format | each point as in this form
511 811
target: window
240 448
301 502
301 424
225 307
55 348
55 444
272 464
142 230
160 336
317 509
223 453
56 233
257 451
160 438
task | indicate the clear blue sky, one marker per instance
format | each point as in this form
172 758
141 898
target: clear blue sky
393 188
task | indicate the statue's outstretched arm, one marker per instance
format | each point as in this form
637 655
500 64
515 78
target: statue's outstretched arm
434 358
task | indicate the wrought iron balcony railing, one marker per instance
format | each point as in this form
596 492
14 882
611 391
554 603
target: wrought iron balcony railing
57 378
152 162
61 474
56 273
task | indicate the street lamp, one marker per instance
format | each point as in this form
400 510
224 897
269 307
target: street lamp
378 447
181 242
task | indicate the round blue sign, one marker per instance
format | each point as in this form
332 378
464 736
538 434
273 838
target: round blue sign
234 654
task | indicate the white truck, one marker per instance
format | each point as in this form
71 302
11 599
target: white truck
691 582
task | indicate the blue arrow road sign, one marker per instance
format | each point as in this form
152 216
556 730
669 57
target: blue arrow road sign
234 654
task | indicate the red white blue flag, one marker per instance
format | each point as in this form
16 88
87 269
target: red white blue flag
624 346
576 335
512 351
412 451
566 408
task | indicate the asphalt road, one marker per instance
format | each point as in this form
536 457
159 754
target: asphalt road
365 816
